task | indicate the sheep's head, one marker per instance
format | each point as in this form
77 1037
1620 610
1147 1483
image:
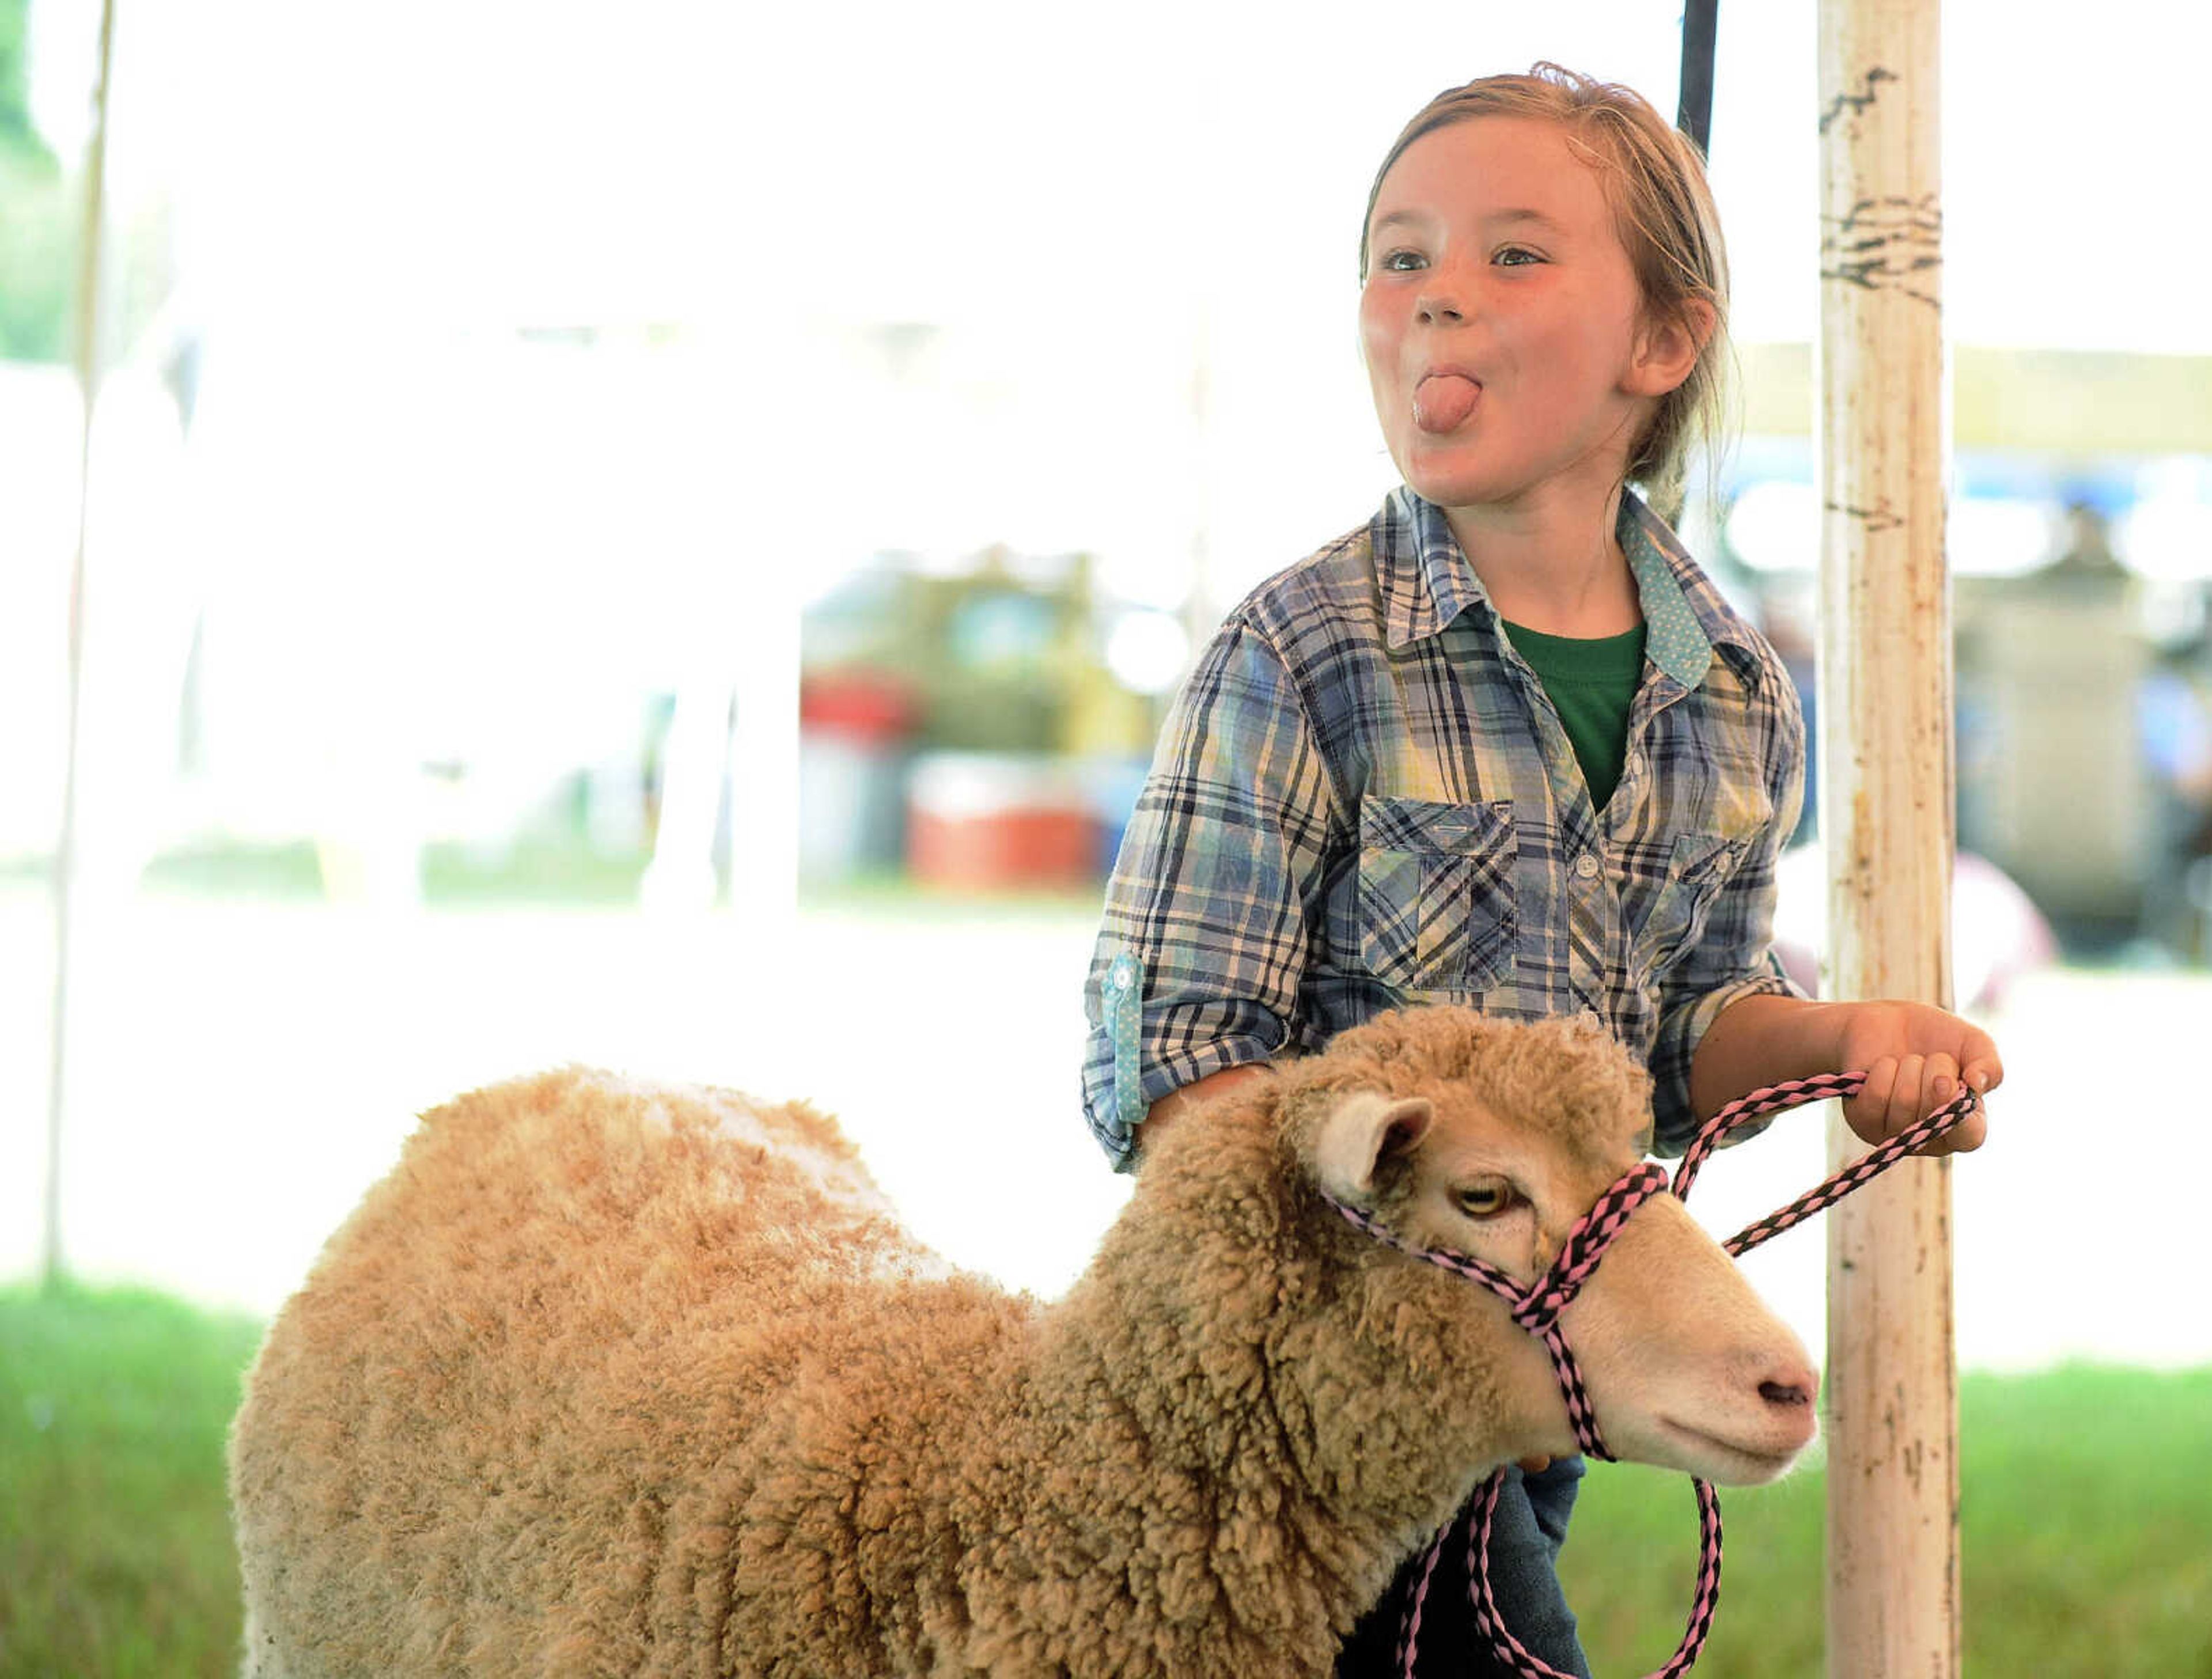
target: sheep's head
1492 1139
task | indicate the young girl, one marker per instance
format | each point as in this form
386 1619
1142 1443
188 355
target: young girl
1504 745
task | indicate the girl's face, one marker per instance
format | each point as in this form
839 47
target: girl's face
1502 324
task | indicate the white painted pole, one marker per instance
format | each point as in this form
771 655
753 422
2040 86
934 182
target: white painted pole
64 876
1886 805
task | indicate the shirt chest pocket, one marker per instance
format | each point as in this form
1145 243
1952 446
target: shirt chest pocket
1700 866
1436 893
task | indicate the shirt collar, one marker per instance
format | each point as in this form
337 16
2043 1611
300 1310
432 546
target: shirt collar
1426 582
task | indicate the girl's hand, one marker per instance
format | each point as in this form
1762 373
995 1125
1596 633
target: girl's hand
1915 1056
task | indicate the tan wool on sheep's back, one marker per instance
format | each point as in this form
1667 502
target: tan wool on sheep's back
505 1423
612 1379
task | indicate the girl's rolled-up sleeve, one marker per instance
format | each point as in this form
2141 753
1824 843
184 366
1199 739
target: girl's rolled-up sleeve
1206 909
1736 957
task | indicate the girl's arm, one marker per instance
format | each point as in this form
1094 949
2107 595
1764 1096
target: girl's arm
1913 1055
1209 892
1740 1030
1172 1106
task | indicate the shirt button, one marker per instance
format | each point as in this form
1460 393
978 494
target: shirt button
1592 1017
1636 763
1586 866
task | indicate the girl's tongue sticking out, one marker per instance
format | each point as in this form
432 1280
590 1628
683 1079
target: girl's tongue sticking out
1443 401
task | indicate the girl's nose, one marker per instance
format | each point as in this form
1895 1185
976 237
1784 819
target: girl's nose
1442 302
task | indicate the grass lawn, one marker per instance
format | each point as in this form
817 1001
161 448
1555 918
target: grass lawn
115 1553
2087 1508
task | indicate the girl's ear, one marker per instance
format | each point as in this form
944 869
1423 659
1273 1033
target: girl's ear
1666 350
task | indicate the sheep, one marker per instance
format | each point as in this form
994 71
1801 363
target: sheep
611 1379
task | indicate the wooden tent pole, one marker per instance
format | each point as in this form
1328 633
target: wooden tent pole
89 243
1886 815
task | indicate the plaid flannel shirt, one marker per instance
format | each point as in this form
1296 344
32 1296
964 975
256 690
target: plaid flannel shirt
1363 798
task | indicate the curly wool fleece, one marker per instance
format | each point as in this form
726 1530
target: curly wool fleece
605 1379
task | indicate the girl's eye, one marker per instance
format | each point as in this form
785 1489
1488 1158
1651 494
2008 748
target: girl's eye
1404 262
1485 1198
1515 256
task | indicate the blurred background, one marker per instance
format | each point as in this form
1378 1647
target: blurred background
661 536
667 541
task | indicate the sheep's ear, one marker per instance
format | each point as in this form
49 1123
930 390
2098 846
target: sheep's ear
1363 1133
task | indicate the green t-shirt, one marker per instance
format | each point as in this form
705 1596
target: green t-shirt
1591 684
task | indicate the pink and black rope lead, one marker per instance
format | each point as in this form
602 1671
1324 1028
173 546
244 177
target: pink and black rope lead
1537 1307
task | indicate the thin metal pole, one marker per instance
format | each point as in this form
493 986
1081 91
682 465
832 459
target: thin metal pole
1694 106
64 878
1886 816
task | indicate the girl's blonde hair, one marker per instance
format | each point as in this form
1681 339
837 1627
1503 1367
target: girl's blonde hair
1663 214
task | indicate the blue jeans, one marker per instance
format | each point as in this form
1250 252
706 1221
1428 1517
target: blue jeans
1525 1537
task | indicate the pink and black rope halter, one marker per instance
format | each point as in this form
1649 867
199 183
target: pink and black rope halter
1537 1307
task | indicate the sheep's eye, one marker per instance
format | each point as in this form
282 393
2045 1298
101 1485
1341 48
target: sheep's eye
1485 1198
